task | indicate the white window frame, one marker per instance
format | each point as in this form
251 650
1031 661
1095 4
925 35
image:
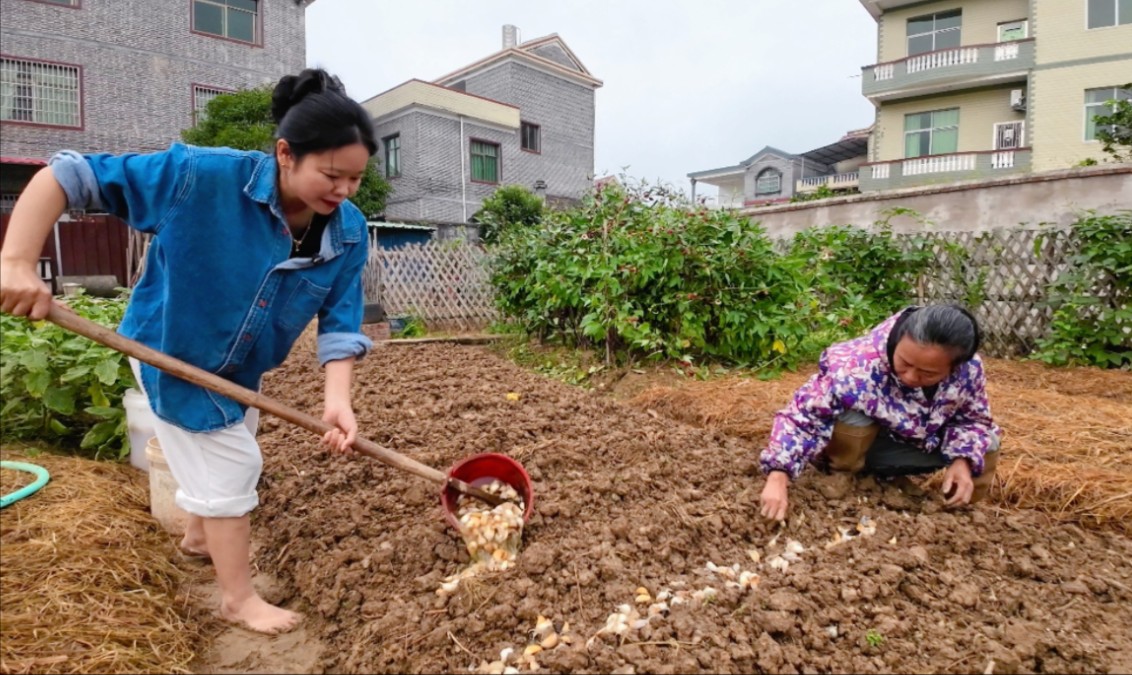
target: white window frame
934 32
931 133
1021 141
1025 23
1100 104
765 174
204 93
1115 13
27 72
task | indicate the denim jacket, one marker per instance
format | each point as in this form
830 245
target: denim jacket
220 290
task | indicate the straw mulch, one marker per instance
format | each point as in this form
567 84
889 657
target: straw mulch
87 576
1067 449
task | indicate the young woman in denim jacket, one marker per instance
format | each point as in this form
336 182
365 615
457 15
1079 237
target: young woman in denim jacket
247 248
907 398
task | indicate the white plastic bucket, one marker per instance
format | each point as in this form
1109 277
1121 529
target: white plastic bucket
140 420
163 491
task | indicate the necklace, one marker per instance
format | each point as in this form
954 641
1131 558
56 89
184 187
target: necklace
296 244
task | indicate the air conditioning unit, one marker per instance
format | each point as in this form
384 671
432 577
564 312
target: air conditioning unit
1018 99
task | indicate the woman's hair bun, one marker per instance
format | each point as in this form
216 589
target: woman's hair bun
292 89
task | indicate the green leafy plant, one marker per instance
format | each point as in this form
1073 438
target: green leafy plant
873 638
638 272
1092 297
63 388
509 206
822 192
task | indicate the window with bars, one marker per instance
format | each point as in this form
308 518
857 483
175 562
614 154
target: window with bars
40 93
485 162
531 137
768 182
233 19
931 133
1096 104
392 155
201 98
1104 13
933 32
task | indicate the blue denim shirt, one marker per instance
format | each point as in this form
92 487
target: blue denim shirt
220 290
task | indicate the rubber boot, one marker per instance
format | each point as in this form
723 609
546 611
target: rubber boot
986 479
848 446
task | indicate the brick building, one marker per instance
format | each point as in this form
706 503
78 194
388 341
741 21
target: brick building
129 75
523 115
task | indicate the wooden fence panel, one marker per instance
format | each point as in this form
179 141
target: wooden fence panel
447 284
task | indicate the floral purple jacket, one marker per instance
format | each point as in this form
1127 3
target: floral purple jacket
856 375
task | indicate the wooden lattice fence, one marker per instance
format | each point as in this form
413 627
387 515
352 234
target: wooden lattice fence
1003 276
447 284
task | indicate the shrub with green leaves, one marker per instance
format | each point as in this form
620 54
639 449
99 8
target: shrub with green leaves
1092 297
63 388
639 272
860 277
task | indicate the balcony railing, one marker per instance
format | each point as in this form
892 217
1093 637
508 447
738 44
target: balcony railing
947 68
934 169
840 181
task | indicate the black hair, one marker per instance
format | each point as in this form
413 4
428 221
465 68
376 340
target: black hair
948 326
313 113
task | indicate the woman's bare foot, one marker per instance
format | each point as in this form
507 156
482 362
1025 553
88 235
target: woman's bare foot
256 614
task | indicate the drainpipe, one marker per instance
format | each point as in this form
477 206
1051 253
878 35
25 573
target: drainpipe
463 177
693 191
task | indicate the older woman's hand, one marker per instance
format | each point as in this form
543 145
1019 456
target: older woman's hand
957 478
773 499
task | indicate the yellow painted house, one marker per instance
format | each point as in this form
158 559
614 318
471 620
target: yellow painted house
968 89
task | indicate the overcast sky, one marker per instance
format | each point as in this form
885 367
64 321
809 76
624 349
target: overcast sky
689 84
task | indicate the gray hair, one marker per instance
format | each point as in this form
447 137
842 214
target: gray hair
948 326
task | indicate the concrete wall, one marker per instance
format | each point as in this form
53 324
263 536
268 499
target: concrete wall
979 24
1061 29
1030 200
979 110
140 60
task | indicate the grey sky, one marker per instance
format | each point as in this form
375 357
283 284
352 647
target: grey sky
688 85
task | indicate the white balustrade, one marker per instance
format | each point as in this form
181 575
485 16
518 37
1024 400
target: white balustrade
880 171
1003 159
943 59
884 71
938 164
1006 51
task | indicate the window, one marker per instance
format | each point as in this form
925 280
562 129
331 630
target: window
40 93
934 32
1104 13
1096 103
931 133
233 19
392 155
485 162
532 137
1013 30
769 182
201 97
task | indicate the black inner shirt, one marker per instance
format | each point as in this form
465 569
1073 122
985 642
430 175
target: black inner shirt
312 239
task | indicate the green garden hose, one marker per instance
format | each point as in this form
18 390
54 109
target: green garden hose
41 478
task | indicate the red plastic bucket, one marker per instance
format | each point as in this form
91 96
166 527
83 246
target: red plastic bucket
480 470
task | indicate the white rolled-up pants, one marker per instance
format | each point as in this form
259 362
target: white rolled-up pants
216 471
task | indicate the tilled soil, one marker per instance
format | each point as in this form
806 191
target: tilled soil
627 499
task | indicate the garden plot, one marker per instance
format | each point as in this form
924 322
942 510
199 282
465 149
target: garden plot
634 511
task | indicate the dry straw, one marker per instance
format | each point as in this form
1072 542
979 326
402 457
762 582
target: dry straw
87 578
1068 432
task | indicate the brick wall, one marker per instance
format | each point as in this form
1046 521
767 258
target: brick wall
139 62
